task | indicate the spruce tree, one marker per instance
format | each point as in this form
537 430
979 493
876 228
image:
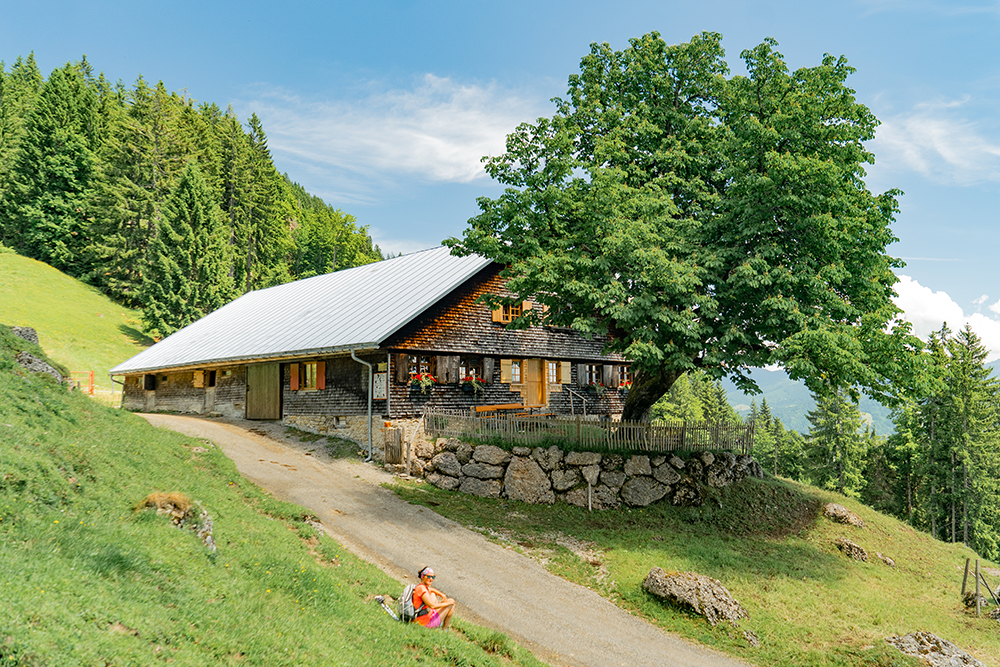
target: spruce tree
836 448
52 179
188 273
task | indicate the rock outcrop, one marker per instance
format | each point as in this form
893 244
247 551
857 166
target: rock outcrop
936 651
705 596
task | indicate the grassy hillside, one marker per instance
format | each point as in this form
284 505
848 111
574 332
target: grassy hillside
88 579
77 325
768 544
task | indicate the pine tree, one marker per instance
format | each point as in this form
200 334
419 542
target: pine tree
188 274
52 178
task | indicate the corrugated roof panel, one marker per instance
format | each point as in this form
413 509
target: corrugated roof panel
355 307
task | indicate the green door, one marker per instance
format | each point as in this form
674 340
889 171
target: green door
264 391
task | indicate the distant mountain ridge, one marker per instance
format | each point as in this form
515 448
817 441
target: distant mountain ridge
791 401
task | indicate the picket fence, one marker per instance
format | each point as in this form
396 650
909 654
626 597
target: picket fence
589 435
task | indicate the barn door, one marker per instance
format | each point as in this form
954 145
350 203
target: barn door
264 391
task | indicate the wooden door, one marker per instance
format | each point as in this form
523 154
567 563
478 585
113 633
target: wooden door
264 391
535 382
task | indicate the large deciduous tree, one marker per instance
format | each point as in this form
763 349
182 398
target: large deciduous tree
702 222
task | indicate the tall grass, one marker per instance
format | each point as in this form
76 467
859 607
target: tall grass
767 542
87 579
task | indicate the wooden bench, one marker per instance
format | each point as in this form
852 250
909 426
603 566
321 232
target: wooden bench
496 409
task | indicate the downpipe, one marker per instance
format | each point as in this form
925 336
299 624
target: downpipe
370 389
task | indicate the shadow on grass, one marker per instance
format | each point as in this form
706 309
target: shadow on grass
135 335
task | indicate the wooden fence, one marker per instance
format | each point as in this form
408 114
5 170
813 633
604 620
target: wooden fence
588 435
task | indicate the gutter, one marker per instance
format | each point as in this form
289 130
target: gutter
371 388
231 361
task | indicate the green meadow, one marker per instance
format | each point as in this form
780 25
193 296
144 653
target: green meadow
77 325
770 546
88 577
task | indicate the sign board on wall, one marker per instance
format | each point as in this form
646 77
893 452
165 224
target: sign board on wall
379 386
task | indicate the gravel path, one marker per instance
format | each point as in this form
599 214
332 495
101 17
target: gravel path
561 622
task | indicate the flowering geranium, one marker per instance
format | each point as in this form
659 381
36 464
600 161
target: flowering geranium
596 388
473 384
423 380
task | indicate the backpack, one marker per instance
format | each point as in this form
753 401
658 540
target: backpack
406 610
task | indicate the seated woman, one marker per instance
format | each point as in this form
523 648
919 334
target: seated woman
439 607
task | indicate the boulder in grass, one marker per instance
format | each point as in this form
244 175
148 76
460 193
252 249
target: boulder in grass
936 651
705 596
852 550
841 514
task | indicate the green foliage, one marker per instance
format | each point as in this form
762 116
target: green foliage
703 222
87 579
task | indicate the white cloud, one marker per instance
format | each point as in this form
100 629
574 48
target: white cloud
981 300
933 141
928 310
438 130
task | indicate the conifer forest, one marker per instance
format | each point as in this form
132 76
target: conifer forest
164 204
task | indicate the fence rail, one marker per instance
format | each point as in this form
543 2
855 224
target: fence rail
593 435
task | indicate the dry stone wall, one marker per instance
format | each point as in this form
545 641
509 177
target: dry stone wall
585 479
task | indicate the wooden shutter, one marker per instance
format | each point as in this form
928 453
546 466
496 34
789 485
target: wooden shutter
294 368
505 371
199 379
433 368
565 372
402 368
448 367
608 376
497 315
526 306
489 364
581 374
321 375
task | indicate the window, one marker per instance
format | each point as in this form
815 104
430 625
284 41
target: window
418 365
593 374
553 372
511 313
309 376
211 378
507 314
624 376
515 371
470 367
149 382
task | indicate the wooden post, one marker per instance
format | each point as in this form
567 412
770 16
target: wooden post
579 430
965 577
978 610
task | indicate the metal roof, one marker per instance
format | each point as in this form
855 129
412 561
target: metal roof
355 308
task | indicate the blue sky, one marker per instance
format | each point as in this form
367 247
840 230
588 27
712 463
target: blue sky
384 109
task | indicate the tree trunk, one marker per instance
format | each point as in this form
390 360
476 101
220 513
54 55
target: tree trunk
647 388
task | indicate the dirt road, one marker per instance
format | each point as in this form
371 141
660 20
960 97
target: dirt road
562 623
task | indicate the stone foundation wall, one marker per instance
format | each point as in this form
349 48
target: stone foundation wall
349 427
585 479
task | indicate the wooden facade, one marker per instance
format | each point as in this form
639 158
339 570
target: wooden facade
545 368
